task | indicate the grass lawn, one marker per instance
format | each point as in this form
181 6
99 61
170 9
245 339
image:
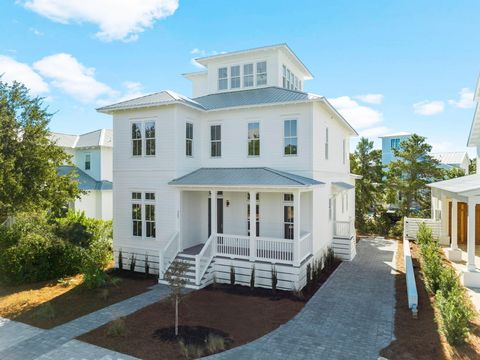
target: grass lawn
48 304
420 338
238 314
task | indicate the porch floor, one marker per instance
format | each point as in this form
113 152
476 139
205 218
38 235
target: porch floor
193 250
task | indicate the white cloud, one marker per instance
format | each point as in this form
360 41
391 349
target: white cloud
117 19
428 108
36 31
69 75
465 99
374 132
371 98
12 70
202 53
133 90
359 116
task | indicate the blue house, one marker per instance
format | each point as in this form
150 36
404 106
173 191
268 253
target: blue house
390 142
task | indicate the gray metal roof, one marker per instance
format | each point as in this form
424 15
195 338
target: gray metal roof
343 185
459 185
255 176
101 137
266 95
85 181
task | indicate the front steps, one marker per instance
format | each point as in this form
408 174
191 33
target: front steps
344 248
190 274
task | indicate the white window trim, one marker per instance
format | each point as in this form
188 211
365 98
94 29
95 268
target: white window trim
193 129
259 139
143 139
142 202
227 78
257 73
210 140
284 136
242 70
240 73
89 162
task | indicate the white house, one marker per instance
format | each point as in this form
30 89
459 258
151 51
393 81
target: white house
456 208
92 158
251 170
454 159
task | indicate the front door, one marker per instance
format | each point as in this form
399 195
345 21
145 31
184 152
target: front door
219 216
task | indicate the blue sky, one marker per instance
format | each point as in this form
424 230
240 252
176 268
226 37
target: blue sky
417 60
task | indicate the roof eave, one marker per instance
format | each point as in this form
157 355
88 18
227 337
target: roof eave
146 106
338 115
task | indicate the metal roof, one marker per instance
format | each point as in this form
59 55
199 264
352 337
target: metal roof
266 95
165 97
85 181
401 133
343 185
459 185
101 137
450 157
254 176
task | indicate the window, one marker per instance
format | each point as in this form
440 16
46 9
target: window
136 139
222 78
288 197
254 139
288 79
284 76
189 139
300 85
137 219
87 161
150 220
326 143
149 196
150 138
395 143
290 137
235 77
215 140
291 81
257 199
288 217
248 75
136 196
344 151
262 73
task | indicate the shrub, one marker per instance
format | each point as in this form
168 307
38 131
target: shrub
215 343
133 263
309 275
93 276
397 229
424 234
117 327
432 265
120 260
274 280
329 258
252 278
232 275
455 314
147 265
448 280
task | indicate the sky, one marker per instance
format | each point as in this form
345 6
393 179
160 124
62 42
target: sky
387 66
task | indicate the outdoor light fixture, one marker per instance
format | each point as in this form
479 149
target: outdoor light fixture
228 203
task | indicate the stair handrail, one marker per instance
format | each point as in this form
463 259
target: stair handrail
164 261
199 269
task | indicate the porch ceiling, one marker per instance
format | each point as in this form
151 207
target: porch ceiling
244 177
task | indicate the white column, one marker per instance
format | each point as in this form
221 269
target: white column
454 244
444 220
180 222
253 224
296 228
213 211
471 236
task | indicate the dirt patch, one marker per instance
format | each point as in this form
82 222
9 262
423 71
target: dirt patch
49 304
238 313
420 338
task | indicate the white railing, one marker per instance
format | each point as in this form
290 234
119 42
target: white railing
168 254
305 246
235 246
411 225
204 258
279 250
343 228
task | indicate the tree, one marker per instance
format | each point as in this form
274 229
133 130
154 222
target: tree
452 173
472 167
409 174
28 158
175 276
367 162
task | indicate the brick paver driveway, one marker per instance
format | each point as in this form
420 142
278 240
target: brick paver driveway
350 317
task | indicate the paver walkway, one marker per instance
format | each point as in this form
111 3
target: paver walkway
350 317
23 342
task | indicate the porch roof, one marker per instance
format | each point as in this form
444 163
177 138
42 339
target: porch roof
463 185
243 177
342 185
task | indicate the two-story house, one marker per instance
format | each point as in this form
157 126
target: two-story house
91 154
391 142
249 171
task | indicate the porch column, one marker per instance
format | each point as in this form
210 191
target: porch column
180 222
253 224
444 238
454 244
471 236
213 211
296 228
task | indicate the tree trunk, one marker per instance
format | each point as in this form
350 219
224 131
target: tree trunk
176 316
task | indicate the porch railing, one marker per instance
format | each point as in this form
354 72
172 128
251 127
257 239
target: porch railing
411 226
344 229
168 254
237 246
279 250
305 246
204 258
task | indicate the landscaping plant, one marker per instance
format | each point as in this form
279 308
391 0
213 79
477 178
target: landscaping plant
117 327
175 276
252 278
232 275
147 265
133 263
309 275
274 280
120 260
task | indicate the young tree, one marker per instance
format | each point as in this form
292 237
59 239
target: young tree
175 276
472 167
367 162
411 172
452 173
28 158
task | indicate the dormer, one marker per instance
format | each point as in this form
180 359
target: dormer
275 65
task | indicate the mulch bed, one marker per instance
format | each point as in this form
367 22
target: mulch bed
77 301
420 338
238 313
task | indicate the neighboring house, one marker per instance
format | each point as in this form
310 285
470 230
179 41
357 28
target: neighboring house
456 209
92 158
390 142
250 171
456 159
